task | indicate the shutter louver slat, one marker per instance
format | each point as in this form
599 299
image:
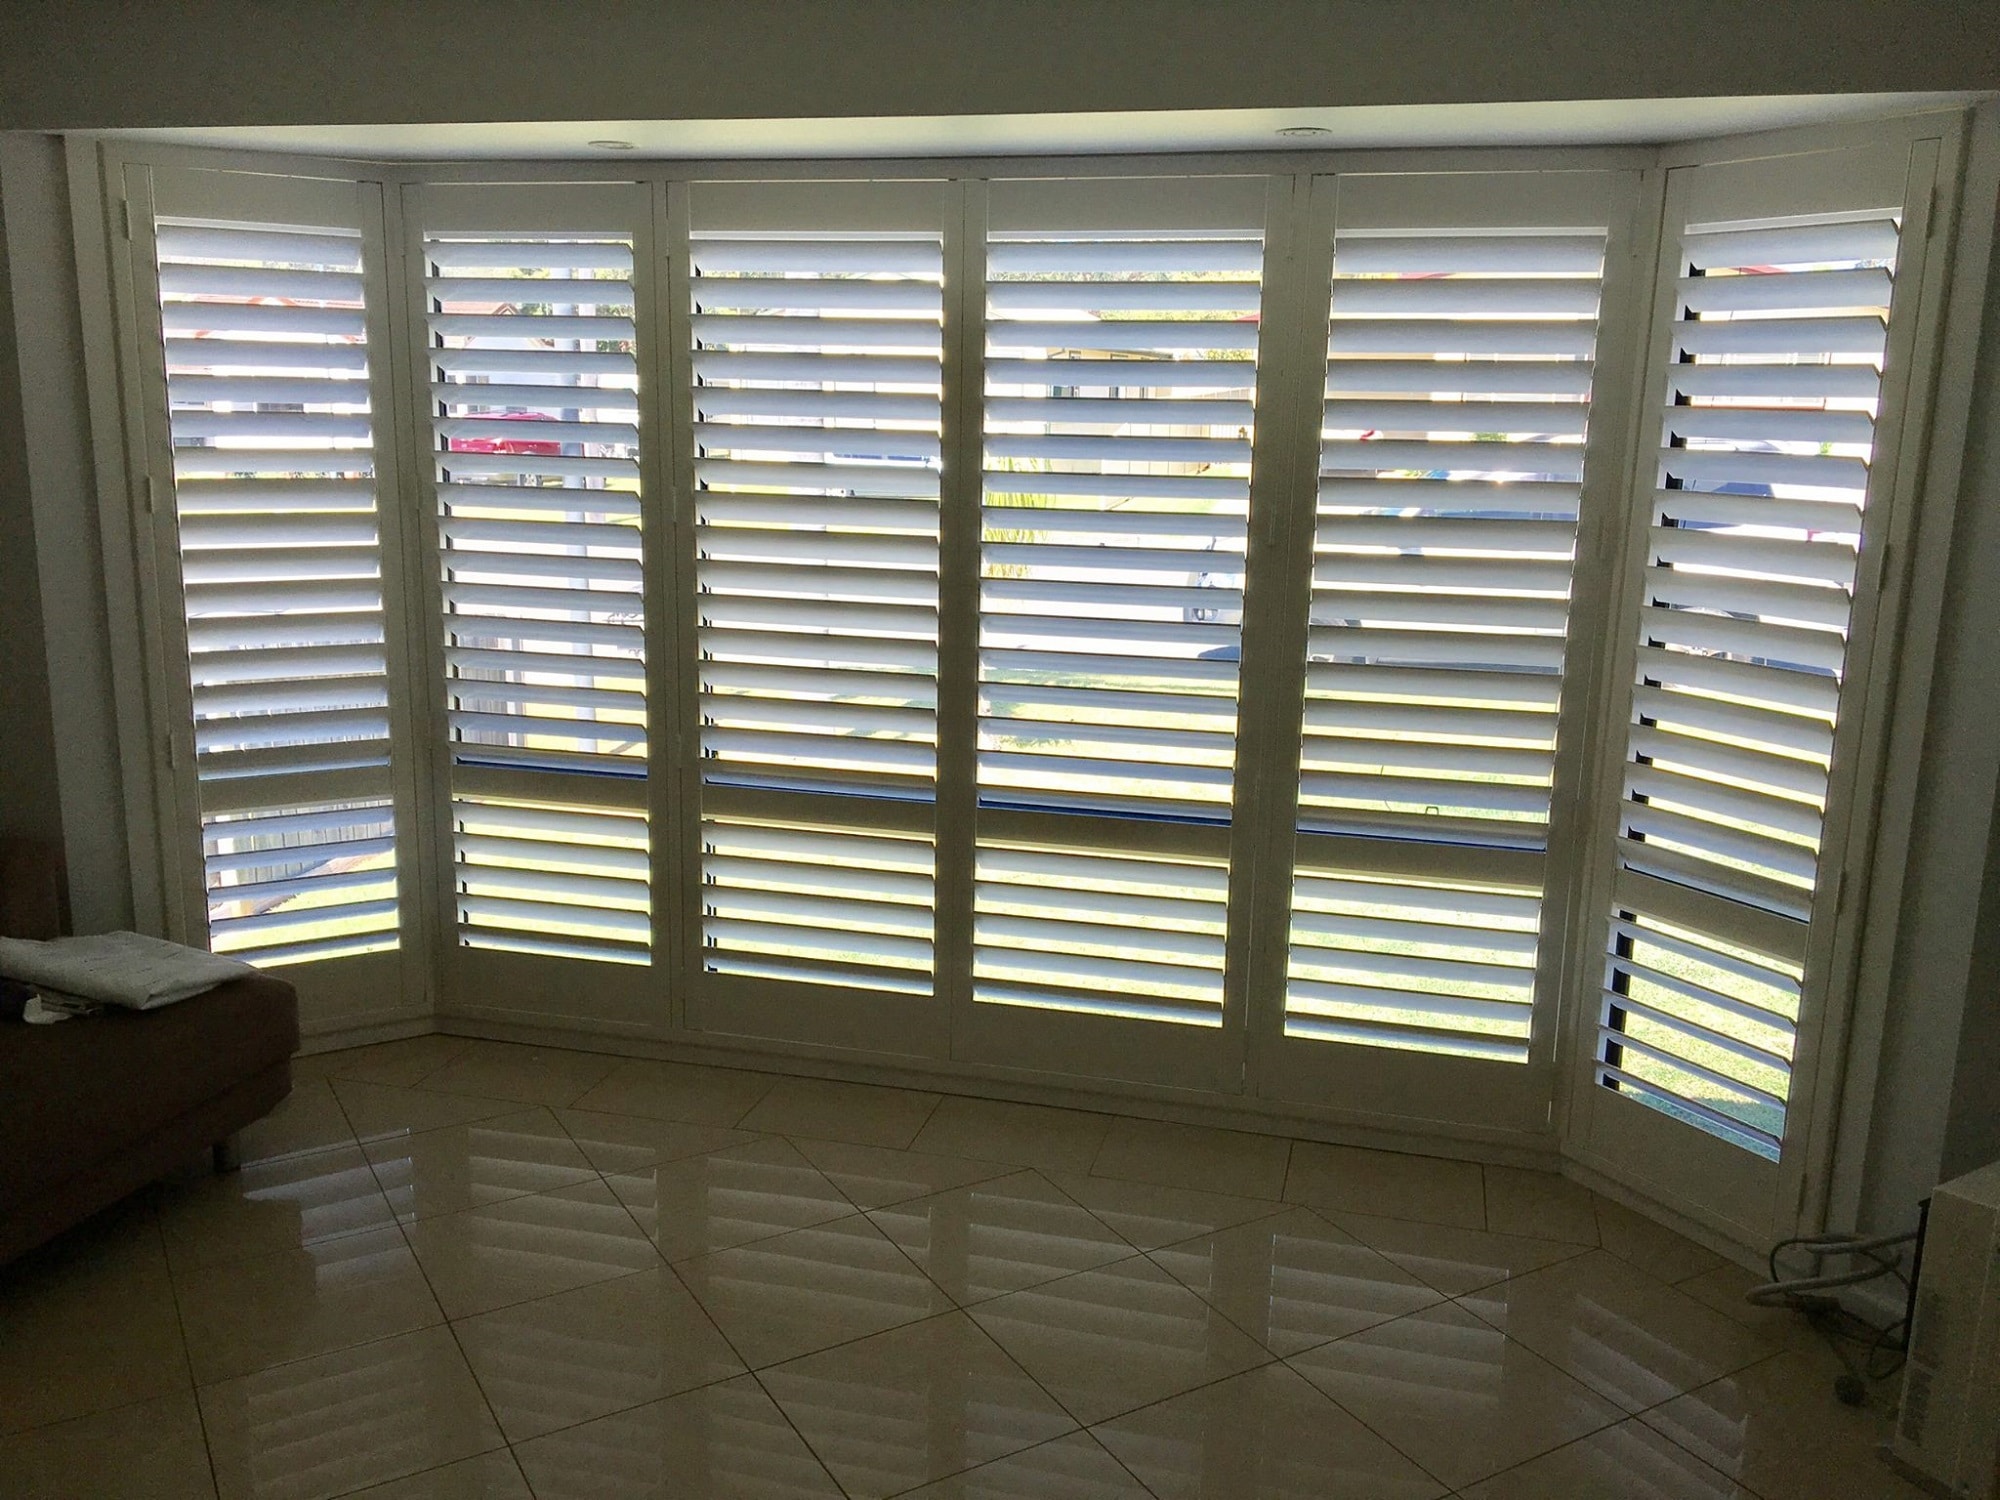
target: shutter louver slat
533 390
1119 414
1456 402
266 362
817 420
1428 967
1764 458
563 881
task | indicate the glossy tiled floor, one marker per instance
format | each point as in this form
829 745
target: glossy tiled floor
458 1269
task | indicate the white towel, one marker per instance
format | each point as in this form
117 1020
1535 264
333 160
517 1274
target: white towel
117 968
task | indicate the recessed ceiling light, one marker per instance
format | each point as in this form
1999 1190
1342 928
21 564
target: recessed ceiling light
1303 132
612 145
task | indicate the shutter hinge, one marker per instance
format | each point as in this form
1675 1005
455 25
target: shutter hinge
1882 565
1931 216
125 216
1840 893
173 753
152 496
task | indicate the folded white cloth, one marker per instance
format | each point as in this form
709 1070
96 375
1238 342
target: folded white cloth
116 968
45 1008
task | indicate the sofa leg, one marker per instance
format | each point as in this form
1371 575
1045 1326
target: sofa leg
228 1153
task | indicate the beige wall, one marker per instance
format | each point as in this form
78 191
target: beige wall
55 665
27 734
77 64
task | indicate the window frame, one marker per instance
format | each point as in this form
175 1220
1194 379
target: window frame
1859 941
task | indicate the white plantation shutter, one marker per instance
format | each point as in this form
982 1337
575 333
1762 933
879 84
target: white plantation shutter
949 542
816 348
1772 386
1121 366
1459 367
533 392
267 372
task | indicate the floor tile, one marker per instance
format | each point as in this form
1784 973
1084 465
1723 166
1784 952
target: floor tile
491 1476
721 1442
378 1111
1267 1434
307 1119
1455 1394
1722 1289
805 1291
999 1236
1545 1205
1453 1260
625 1143
1124 1336
271 1206
340 1422
533 1075
1651 1246
1626 1462
704 1203
677 1091
1294 1280
249 1314
529 1247
876 1176
76 1340
1625 1335
1026 1135
151 1449
897 1410
467 1166
1194 1156
403 1064
1149 1215
561 1360
829 1110
1076 1467
1350 1179
1777 1429
124 1238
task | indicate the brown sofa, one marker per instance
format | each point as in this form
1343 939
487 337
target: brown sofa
94 1108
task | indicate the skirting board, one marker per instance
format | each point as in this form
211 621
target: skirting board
1256 1116
1870 1301
377 1026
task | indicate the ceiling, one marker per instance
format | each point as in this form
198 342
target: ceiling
1556 123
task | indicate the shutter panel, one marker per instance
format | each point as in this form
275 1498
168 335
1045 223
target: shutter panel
1772 384
1458 376
266 348
816 318
1121 369
533 393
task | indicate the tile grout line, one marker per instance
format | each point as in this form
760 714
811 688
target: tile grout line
953 1308
1639 1414
1450 1489
431 1287
699 1306
187 1354
806 1442
1140 1252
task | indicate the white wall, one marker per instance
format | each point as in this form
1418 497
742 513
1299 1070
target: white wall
60 506
1928 1083
27 733
74 64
